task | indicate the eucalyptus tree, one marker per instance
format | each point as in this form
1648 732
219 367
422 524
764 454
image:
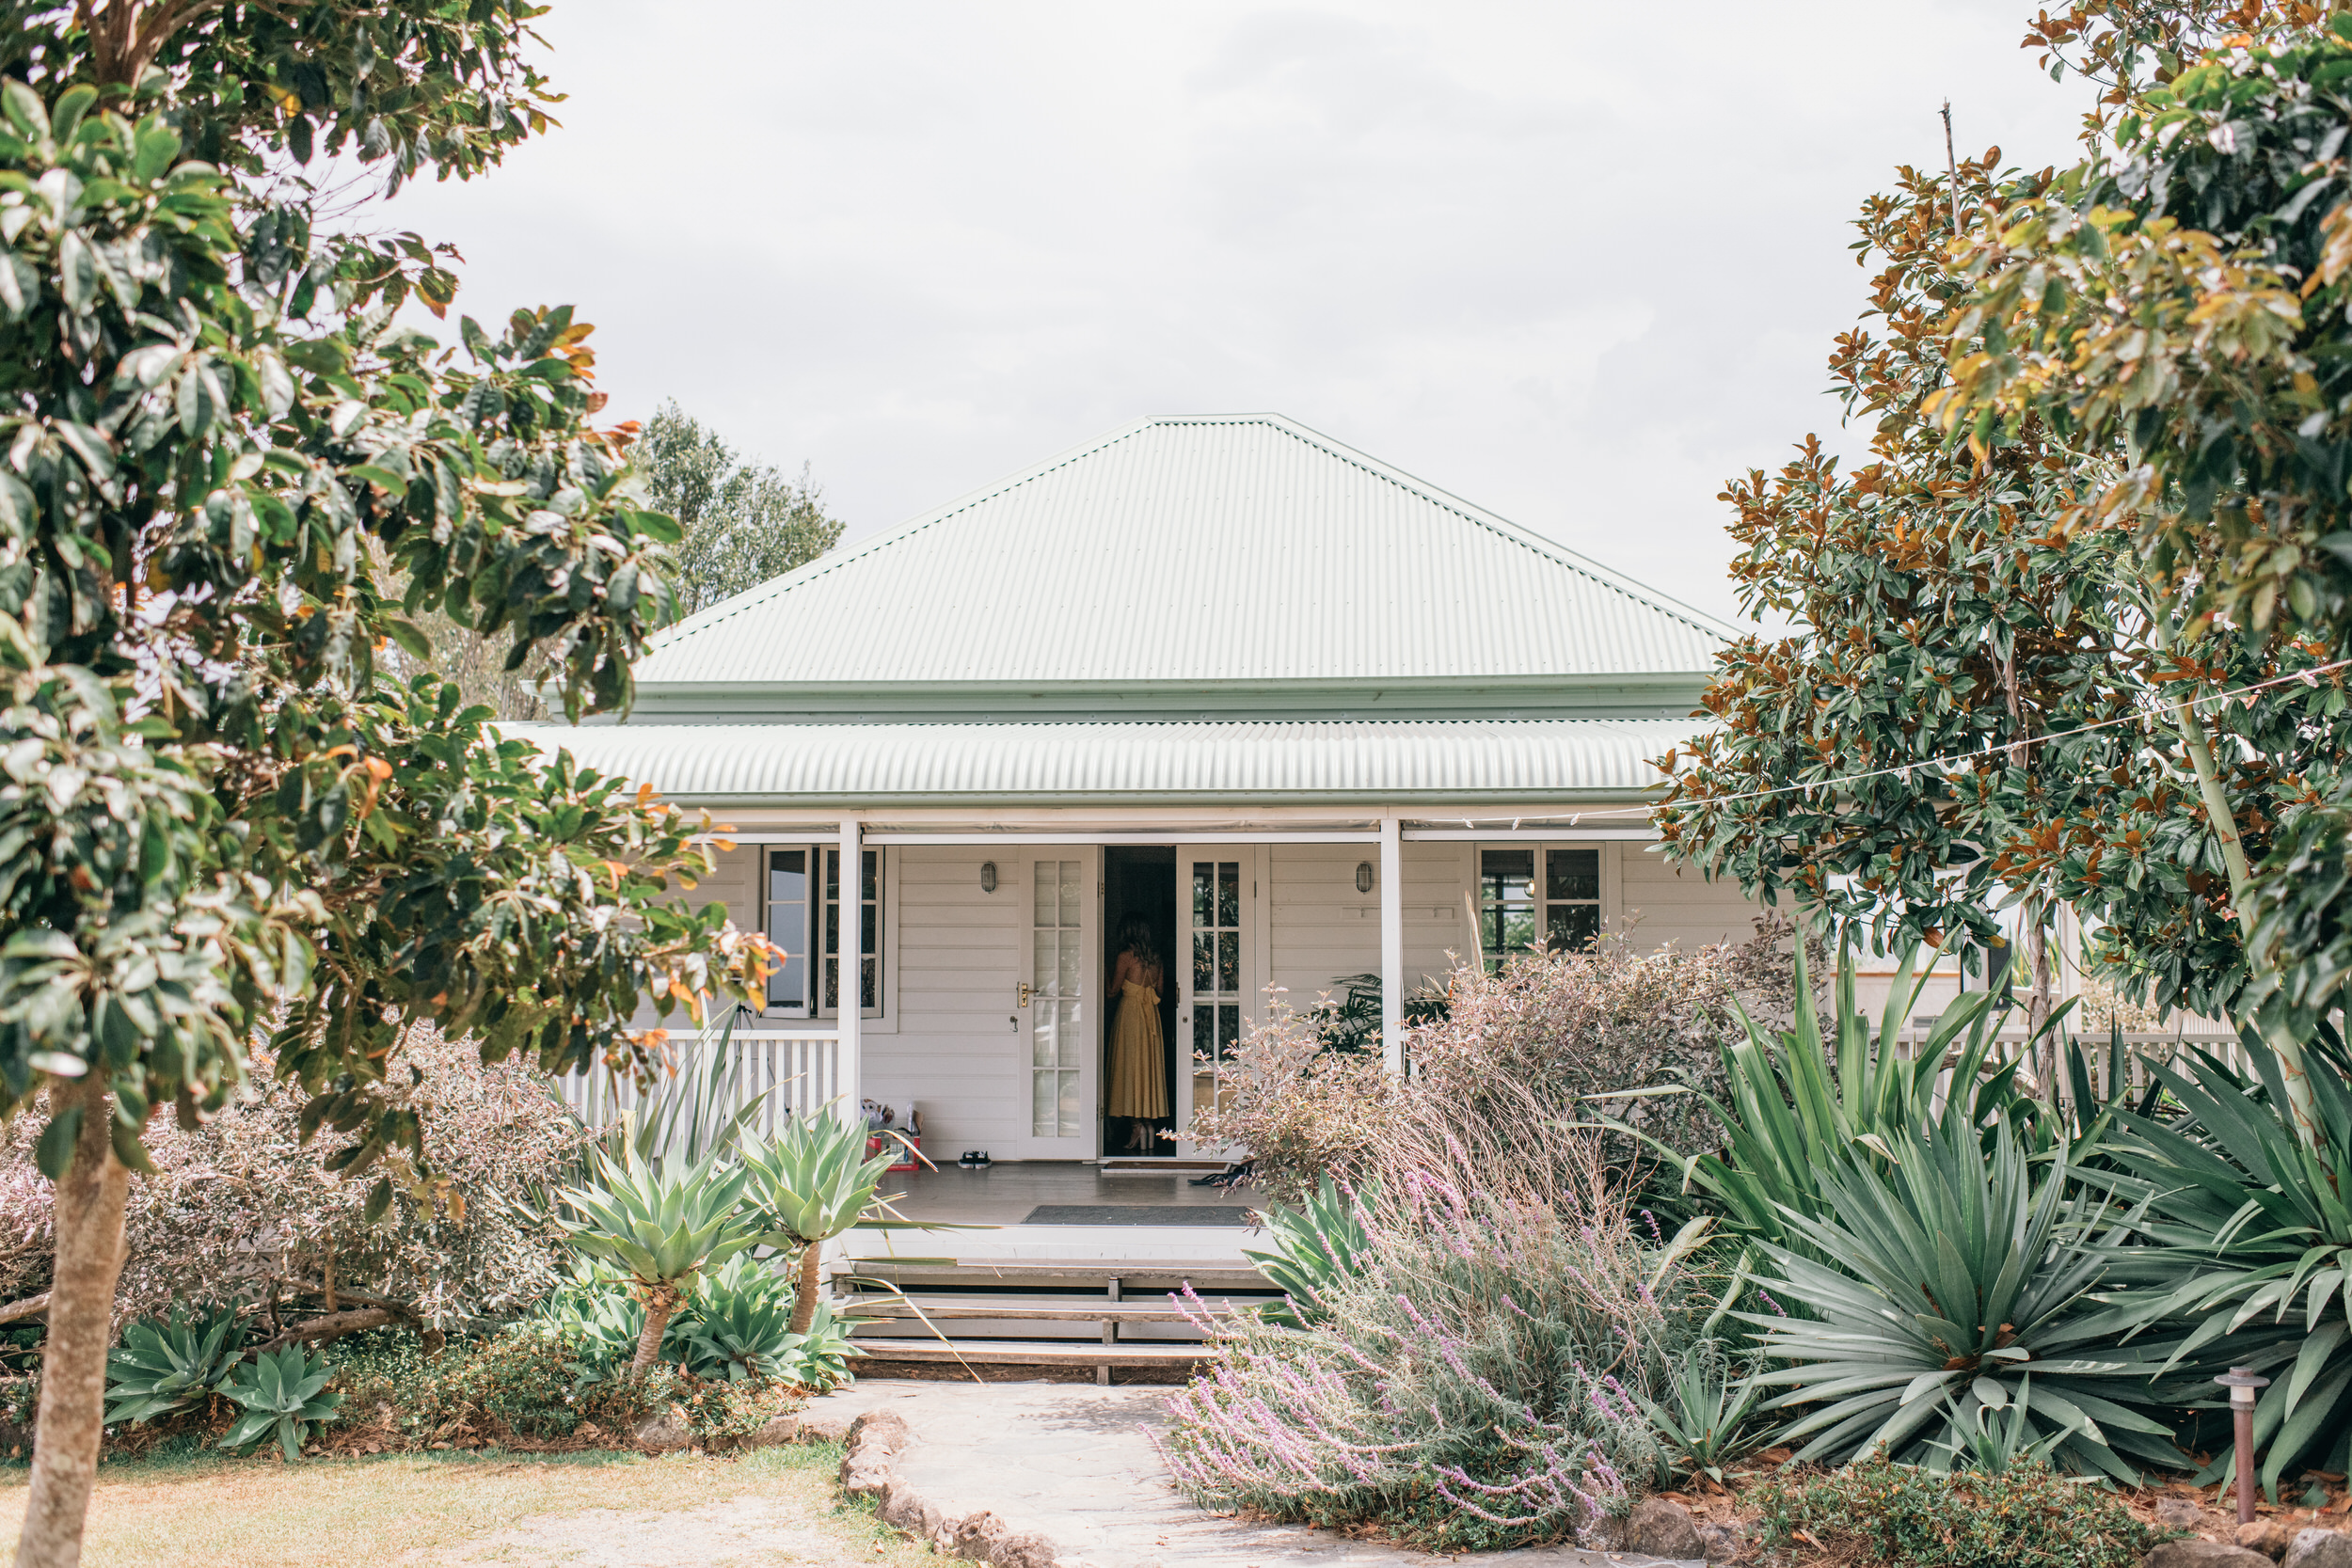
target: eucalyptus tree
742 521
230 480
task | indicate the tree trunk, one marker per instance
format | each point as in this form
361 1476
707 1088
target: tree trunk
660 1306
2039 1002
805 1298
81 1326
2218 813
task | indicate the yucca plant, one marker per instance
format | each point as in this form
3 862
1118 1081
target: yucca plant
2247 1235
808 1184
166 1363
1800 1103
1947 1280
281 1393
1316 1244
660 1223
693 1116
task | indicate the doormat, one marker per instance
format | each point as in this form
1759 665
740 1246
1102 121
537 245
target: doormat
1137 1213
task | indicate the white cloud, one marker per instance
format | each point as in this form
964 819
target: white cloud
1579 264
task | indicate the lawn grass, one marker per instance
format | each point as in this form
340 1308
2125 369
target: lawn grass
186 1506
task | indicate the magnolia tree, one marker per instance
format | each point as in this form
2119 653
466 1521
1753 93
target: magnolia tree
1986 696
2181 301
230 481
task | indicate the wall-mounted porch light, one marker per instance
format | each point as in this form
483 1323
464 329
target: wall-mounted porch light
988 876
1363 876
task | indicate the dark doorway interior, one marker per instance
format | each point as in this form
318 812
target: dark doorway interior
1140 881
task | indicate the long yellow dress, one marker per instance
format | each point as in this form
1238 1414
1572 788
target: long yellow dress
1138 1055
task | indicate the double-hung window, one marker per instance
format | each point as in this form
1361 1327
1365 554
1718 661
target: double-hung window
1538 895
803 917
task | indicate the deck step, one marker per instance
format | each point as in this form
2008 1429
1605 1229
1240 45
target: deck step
1030 1353
1153 1276
879 1308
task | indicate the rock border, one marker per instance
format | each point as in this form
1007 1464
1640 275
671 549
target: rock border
876 1439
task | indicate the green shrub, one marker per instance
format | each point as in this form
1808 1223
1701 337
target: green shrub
1901 1517
283 1395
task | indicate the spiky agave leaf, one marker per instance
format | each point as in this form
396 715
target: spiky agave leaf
1950 1281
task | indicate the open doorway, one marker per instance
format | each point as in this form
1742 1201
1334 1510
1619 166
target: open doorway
1138 884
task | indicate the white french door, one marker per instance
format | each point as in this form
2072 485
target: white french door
1219 927
1056 1094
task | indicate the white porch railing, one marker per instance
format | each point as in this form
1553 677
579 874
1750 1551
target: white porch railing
799 1071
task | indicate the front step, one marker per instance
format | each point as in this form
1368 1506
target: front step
1009 1311
1030 1353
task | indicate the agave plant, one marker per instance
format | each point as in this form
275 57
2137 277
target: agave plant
165 1363
2248 1234
595 1312
281 1392
1314 1246
1950 1281
1709 1418
810 1183
660 1223
739 1327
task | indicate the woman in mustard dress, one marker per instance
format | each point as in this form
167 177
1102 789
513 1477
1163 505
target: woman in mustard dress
1139 1052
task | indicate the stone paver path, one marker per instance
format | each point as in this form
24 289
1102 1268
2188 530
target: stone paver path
1072 1462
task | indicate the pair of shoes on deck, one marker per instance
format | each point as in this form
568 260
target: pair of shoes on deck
1231 1176
976 1159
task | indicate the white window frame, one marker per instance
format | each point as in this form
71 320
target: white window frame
885 928
1608 904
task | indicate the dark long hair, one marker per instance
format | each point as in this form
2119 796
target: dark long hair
1135 936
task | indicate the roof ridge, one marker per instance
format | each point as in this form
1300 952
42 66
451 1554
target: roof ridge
1470 512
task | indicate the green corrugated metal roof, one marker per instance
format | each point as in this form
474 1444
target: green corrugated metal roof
858 764
1216 566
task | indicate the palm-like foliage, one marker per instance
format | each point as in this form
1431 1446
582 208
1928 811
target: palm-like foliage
163 1364
1314 1245
738 1327
694 1116
660 1222
1951 1280
2248 1234
810 1183
281 1392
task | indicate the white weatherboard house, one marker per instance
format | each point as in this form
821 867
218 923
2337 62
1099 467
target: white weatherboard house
1302 714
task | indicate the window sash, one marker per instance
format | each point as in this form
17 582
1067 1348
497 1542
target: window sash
805 919
1528 894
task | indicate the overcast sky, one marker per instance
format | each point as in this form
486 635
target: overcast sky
1577 264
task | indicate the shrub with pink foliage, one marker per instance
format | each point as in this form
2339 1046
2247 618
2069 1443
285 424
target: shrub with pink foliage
1476 1384
239 1209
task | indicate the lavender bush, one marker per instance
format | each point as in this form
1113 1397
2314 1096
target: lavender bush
1477 1384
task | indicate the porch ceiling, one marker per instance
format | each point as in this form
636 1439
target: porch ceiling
1414 762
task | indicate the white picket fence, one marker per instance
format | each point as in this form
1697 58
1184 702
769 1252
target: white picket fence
2141 1047
798 1069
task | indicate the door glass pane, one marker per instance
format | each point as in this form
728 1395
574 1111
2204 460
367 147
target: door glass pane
1044 1110
1229 961
1203 894
1057 1039
868 929
1204 960
1228 893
